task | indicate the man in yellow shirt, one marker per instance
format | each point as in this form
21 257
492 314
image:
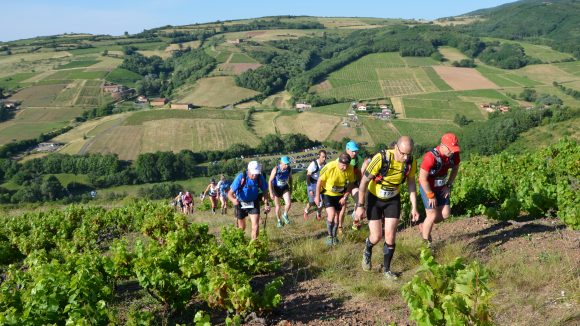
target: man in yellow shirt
335 183
380 186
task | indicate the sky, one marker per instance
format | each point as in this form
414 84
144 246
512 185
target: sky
30 18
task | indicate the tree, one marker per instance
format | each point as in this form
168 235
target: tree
462 120
105 53
51 188
529 94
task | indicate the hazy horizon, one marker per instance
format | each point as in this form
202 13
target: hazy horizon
37 18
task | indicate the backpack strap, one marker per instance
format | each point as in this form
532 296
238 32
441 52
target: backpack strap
386 165
438 162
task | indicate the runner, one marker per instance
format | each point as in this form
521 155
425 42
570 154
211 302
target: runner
223 186
435 186
280 186
312 173
381 183
212 191
245 197
178 202
356 161
188 203
335 182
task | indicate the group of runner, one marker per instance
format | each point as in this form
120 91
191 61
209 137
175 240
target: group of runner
374 183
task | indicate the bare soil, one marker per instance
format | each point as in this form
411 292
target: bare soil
463 78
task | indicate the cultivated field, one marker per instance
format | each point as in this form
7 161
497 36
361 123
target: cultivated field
128 141
314 125
338 109
76 74
235 68
382 75
451 54
546 73
381 132
214 92
425 132
278 100
124 77
38 96
263 123
273 35
463 78
357 133
570 67
29 123
505 78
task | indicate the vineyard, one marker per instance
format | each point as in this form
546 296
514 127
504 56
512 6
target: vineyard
68 266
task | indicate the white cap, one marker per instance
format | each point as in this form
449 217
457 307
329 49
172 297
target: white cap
254 167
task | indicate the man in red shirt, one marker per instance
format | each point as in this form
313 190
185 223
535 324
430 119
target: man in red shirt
435 184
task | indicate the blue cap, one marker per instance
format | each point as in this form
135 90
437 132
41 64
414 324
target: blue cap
352 146
285 159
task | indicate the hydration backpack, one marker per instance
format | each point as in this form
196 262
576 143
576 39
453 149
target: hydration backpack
386 165
439 162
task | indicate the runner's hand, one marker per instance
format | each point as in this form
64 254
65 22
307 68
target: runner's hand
433 203
414 215
342 201
360 211
311 193
317 201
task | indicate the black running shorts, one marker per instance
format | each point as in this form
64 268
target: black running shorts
378 209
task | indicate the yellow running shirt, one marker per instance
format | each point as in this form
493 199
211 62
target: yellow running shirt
390 185
333 180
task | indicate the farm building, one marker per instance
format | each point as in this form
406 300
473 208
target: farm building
114 88
235 41
9 104
182 106
303 106
123 94
158 101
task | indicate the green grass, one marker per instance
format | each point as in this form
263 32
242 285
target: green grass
138 118
505 78
66 178
547 135
380 131
334 109
433 109
77 74
15 81
381 75
20 131
223 56
542 52
124 77
425 132
78 64
570 67
420 61
94 50
242 58
436 80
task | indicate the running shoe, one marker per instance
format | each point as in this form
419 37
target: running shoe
340 230
285 218
366 261
390 276
279 224
329 241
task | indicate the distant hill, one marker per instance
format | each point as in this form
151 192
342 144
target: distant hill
555 23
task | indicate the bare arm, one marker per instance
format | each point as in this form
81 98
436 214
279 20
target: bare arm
232 197
413 198
271 180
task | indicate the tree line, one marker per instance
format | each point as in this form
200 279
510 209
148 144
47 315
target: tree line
107 170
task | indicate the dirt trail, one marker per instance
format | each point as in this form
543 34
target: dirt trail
315 300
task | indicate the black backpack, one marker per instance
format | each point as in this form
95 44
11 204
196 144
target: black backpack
312 180
386 165
439 162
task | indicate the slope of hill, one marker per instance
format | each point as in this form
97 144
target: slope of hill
556 23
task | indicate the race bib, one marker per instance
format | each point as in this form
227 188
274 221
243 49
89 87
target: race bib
246 204
387 193
440 182
281 183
